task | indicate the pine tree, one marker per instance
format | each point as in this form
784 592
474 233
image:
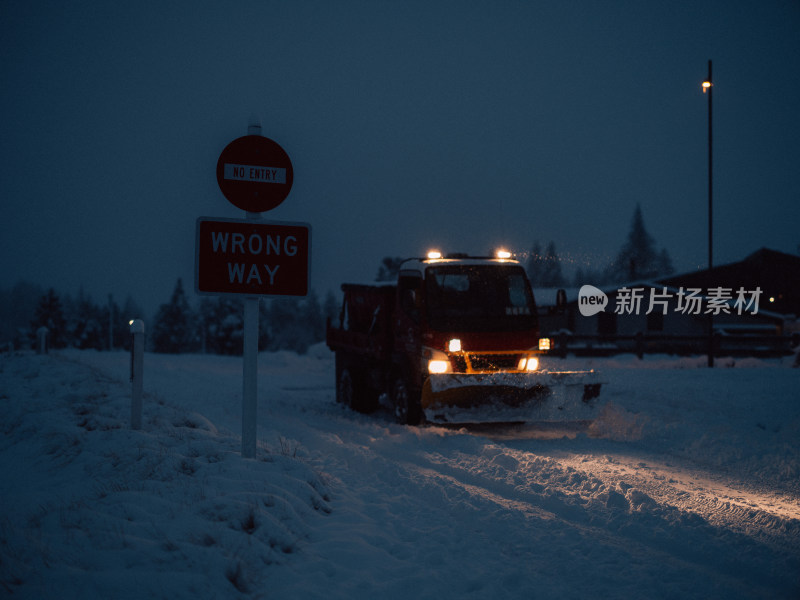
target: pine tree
175 326
86 323
533 266
544 270
312 316
331 308
284 320
638 258
112 317
664 263
50 314
17 311
584 276
295 324
552 276
389 268
223 326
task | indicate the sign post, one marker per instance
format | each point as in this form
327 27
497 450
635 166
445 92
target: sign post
137 371
250 375
251 257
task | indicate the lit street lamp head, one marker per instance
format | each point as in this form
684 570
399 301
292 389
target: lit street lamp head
707 87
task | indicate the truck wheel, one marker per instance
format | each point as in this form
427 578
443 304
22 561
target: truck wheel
345 388
407 407
353 392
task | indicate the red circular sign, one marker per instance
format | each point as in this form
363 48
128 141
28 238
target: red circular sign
254 173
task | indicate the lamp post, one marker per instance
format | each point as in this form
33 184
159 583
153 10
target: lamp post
708 87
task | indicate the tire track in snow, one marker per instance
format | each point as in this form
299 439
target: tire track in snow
624 503
773 519
620 514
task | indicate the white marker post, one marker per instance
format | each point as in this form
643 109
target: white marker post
137 371
41 335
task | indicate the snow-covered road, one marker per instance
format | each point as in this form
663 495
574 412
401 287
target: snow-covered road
687 485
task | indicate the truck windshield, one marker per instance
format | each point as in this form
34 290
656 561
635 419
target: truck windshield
479 298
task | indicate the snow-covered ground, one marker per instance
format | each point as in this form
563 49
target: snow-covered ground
686 486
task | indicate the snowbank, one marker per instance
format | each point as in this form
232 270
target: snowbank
93 509
685 485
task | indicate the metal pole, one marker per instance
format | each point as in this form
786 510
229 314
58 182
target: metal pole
250 349
110 322
710 90
137 372
250 377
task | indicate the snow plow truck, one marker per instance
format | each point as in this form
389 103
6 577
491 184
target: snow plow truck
455 339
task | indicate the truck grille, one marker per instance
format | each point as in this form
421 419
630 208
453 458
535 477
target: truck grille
492 362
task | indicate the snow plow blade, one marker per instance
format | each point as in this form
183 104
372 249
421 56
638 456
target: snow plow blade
511 397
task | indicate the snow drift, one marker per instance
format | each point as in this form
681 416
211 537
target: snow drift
685 486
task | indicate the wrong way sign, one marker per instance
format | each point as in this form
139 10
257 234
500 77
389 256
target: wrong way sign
253 258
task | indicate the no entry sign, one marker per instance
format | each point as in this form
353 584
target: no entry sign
254 173
254 258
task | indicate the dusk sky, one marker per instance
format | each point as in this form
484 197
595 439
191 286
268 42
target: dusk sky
461 125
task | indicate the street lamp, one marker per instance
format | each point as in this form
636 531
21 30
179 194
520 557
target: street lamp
708 88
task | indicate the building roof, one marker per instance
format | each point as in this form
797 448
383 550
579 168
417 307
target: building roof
777 274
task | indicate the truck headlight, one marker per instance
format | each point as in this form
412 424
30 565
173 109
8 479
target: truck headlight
544 343
454 345
437 361
529 363
436 366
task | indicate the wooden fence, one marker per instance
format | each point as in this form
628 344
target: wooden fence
683 345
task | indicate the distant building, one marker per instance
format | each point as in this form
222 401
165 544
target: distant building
776 273
752 301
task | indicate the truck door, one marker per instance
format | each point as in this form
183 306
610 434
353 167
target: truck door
408 324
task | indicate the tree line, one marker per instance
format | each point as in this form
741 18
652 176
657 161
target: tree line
77 322
638 259
214 325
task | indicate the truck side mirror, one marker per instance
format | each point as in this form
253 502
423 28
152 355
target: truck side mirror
561 301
